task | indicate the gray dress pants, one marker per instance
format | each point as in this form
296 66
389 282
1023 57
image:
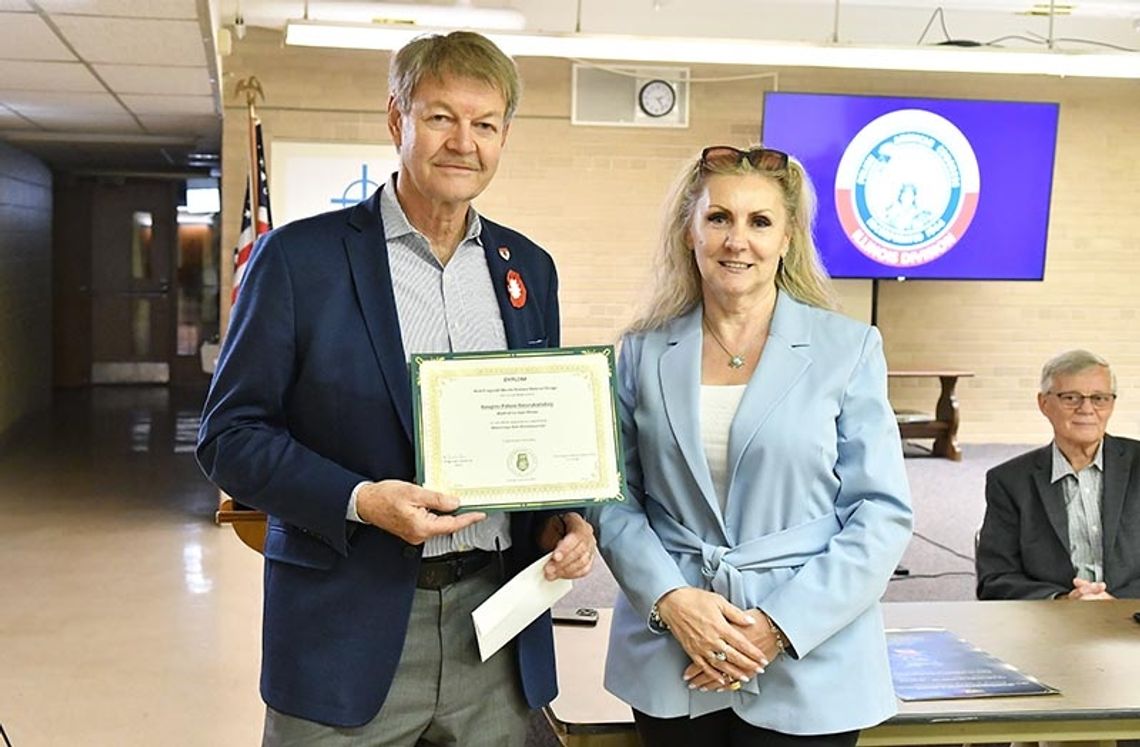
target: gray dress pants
442 694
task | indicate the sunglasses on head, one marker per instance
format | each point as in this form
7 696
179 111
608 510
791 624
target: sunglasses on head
725 156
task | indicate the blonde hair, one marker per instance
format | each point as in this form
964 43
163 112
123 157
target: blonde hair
463 54
676 288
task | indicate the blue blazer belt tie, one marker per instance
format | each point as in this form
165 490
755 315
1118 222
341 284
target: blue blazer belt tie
722 566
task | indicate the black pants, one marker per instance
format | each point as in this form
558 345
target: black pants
725 729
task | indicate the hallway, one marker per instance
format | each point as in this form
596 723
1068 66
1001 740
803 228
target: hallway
126 616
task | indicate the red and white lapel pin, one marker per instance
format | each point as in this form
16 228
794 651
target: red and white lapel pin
516 289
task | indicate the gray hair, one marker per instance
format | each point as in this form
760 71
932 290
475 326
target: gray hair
463 54
1072 362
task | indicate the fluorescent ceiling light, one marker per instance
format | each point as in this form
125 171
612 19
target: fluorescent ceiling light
194 219
461 15
740 51
203 200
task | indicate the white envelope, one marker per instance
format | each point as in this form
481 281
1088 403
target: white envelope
516 605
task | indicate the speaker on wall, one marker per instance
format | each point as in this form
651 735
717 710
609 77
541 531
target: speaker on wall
630 96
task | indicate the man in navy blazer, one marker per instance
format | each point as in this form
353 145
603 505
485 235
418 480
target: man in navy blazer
1063 521
369 580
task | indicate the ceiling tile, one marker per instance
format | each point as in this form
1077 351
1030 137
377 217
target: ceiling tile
37 103
157 79
24 75
123 8
86 122
25 36
145 104
137 42
166 124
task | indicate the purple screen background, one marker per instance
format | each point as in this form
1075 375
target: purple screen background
1015 143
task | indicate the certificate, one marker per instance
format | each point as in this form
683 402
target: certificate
518 430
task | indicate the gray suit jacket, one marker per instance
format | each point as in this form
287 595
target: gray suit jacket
1023 550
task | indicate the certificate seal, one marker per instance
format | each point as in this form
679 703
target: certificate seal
521 462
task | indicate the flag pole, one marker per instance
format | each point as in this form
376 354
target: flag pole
251 87
249 525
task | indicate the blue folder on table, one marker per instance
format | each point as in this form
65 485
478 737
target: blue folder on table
935 664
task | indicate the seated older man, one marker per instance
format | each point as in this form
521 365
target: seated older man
1063 521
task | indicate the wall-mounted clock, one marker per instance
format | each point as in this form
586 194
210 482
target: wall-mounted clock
657 98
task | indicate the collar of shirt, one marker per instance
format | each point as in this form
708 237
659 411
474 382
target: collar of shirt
396 221
1061 466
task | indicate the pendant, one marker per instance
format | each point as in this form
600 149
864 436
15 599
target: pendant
735 362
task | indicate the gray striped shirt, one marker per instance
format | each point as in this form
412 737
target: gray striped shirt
445 309
1083 494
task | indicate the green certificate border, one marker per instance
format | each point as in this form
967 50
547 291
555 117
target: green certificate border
605 414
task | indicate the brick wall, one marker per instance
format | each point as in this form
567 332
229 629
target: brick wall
592 196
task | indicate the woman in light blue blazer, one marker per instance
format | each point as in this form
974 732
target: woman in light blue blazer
769 503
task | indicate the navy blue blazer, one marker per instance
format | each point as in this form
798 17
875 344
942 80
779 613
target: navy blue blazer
312 396
1023 548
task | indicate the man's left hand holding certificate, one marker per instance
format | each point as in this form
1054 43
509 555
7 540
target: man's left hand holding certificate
518 430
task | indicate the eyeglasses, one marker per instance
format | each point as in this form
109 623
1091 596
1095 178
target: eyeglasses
725 156
1074 400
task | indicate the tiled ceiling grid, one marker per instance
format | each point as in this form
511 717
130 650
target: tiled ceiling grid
120 84
108 71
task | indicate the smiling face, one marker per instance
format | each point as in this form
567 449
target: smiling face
739 231
449 141
1083 427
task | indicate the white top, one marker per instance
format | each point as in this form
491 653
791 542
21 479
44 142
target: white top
718 408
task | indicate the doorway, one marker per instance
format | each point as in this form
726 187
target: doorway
132 251
135 289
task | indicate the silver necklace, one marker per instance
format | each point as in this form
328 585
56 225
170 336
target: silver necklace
734 360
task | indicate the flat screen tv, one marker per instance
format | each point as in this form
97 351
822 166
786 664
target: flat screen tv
923 188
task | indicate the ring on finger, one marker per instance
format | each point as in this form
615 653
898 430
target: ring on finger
735 685
719 656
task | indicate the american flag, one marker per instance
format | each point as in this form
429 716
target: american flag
259 180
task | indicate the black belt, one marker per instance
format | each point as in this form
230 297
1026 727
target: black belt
444 570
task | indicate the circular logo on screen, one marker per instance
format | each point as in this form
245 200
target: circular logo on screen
907 188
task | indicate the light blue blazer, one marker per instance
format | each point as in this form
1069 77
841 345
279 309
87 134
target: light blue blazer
817 517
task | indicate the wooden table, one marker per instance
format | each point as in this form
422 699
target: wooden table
942 426
1090 651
